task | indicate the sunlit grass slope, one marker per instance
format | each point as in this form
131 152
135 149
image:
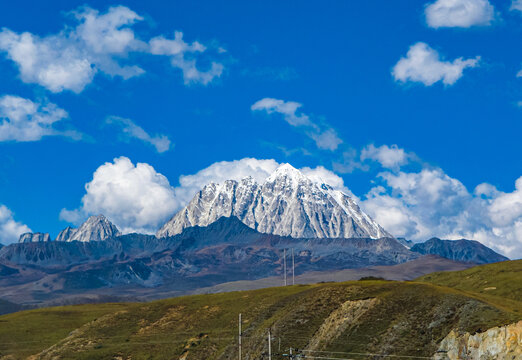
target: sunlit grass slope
359 317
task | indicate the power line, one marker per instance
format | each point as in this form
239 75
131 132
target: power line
368 354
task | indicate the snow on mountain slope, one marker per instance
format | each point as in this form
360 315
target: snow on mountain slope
287 203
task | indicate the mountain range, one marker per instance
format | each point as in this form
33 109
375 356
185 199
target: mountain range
237 230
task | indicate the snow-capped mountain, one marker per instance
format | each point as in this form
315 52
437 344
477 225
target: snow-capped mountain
34 237
96 228
287 203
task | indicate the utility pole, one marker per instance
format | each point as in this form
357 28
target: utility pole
239 336
269 345
293 268
284 264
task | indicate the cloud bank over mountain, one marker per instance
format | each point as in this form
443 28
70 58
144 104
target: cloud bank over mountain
416 205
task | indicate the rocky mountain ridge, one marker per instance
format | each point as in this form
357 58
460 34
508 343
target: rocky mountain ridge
95 228
34 237
459 250
226 250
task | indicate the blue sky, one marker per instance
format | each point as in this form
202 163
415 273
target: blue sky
411 138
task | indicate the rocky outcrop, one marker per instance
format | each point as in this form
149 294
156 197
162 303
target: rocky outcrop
66 234
287 203
34 237
96 228
499 343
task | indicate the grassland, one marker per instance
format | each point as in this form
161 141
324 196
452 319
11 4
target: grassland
498 283
385 317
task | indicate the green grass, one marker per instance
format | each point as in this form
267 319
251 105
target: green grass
28 332
406 318
498 283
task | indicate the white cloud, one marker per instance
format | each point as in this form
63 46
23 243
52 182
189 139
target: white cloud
459 13
23 120
137 198
134 197
130 129
324 137
423 64
179 52
506 208
516 5
10 229
327 139
431 203
390 157
349 162
287 108
70 59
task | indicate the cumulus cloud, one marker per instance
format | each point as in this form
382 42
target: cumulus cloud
423 64
10 229
182 56
430 203
131 130
324 137
135 197
459 13
390 157
70 59
139 199
24 120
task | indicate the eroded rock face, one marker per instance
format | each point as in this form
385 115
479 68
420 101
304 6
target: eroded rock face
34 237
339 320
66 234
499 343
287 203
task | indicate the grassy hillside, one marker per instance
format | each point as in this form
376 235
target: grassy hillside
358 317
497 283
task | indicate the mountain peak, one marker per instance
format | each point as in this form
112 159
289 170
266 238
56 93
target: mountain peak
287 175
95 228
287 203
286 170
